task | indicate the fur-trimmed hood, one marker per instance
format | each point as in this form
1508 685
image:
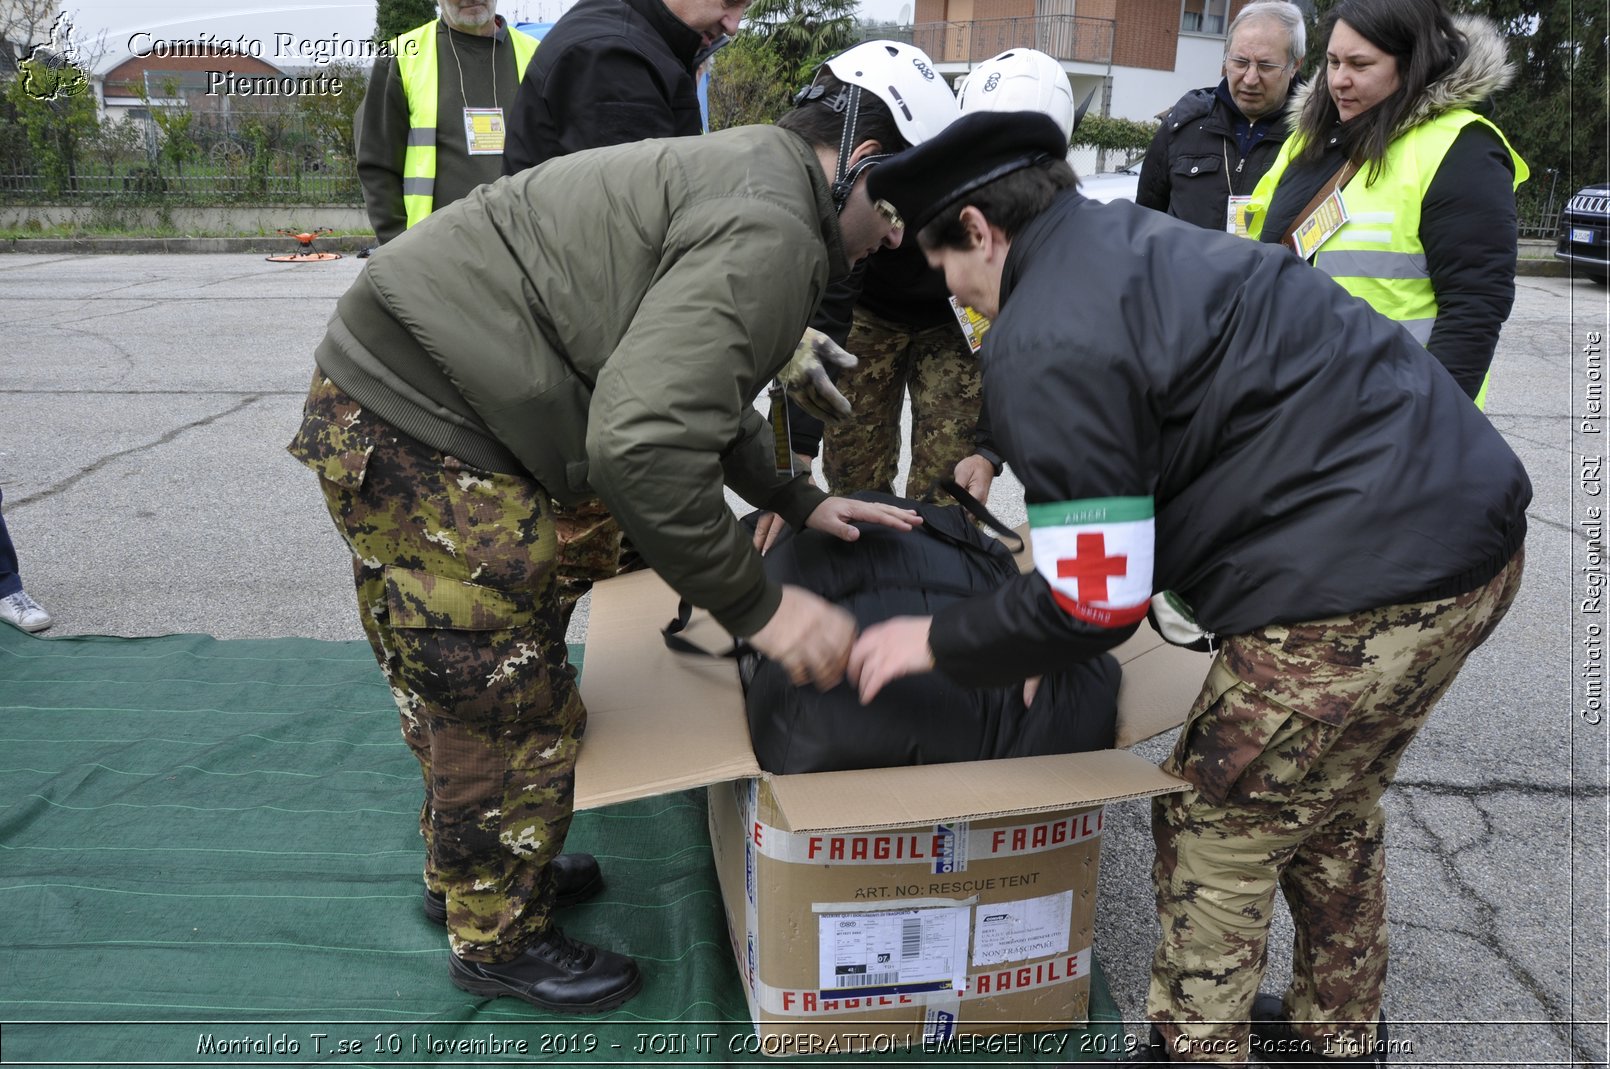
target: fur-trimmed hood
1485 70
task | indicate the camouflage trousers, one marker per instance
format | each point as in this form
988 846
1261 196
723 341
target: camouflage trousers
454 574
1295 736
591 547
942 376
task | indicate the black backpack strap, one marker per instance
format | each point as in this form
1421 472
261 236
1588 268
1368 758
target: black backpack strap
674 641
975 508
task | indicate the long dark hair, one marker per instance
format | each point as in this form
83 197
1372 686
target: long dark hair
1420 36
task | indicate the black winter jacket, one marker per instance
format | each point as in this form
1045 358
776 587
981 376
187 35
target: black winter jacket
1196 160
1305 458
609 72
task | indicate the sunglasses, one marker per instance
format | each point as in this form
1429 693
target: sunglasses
889 214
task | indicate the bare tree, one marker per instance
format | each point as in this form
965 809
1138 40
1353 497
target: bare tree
23 25
29 24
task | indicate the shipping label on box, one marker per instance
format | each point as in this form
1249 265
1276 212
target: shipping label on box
903 952
1018 931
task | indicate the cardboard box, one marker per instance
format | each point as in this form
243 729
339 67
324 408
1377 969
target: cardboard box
980 875
906 936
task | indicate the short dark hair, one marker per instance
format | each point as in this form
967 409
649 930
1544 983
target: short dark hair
817 122
1010 202
1420 36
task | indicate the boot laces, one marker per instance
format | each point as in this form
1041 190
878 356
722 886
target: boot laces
566 952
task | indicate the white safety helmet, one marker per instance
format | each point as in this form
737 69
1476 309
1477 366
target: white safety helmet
900 75
903 77
1020 79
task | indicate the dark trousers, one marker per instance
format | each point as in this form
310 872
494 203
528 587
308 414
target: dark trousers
10 581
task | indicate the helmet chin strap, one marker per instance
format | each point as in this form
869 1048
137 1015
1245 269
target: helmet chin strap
848 103
841 188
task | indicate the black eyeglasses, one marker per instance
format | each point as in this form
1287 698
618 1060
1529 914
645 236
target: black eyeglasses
1239 64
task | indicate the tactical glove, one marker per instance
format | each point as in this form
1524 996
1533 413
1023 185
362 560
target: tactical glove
806 377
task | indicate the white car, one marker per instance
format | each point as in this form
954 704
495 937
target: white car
1120 183
1110 185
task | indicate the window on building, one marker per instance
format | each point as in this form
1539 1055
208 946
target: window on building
1204 16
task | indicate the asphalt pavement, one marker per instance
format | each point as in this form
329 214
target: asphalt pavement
145 402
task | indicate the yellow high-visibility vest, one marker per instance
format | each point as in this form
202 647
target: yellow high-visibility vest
416 65
1377 255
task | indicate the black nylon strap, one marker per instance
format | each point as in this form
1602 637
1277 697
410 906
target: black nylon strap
674 641
975 508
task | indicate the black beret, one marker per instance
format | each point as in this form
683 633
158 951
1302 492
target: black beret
971 152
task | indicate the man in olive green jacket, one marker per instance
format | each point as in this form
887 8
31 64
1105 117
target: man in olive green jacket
600 324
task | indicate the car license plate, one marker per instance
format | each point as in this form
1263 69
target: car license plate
1581 237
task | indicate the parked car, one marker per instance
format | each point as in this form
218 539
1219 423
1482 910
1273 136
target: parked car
1109 185
1117 184
1585 233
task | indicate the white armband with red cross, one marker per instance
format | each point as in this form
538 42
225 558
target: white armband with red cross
1097 556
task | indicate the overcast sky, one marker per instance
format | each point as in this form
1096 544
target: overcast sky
273 23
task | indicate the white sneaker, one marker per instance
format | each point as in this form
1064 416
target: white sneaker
19 610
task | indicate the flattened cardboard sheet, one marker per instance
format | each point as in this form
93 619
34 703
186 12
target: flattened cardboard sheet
657 721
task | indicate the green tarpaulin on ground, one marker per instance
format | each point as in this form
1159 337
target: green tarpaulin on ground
209 856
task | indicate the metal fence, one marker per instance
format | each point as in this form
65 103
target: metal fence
1541 204
1541 224
228 158
296 187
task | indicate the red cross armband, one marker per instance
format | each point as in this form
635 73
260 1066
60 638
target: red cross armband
1097 556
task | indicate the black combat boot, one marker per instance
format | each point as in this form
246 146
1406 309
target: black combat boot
576 878
557 973
1276 1042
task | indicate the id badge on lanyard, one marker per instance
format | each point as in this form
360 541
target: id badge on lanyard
1311 233
973 325
1235 215
483 131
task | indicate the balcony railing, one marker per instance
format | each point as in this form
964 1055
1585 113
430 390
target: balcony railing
1064 37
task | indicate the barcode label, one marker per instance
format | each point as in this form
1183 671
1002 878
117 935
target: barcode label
910 938
873 979
907 950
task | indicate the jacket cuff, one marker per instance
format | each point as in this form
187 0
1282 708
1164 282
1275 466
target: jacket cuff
751 615
797 501
995 462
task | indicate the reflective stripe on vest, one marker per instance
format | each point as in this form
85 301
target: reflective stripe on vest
416 65
1377 255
